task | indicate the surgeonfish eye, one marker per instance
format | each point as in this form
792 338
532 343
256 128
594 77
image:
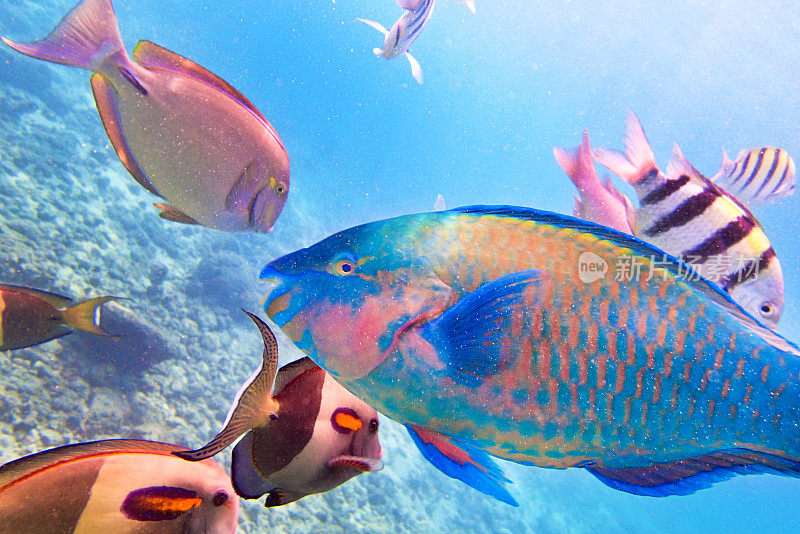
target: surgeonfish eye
373 426
767 309
280 189
345 420
220 498
343 267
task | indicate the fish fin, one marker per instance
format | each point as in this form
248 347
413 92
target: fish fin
463 462
253 405
637 162
279 497
84 38
289 372
578 164
152 56
409 5
684 477
470 5
630 211
169 212
243 192
477 334
248 482
55 333
377 25
725 167
359 463
416 69
579 210
86 315
439 205
105 100
678 166
57 301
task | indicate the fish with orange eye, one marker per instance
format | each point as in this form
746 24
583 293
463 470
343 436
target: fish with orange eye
119 486
308 436
30 316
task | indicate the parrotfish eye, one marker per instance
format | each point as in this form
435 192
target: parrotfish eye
373 426
767 309
220 498
345 420
343 267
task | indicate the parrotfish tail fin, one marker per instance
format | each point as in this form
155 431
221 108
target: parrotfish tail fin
84 38
439 205
684 477
578 164
377 25
416 69
463 462
479 335
86 315
638 161
253 405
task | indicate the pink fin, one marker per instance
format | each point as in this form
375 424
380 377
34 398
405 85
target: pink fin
171 213
579 164
152 56
105 100
359 463
84 38
409 5
638 160
679 166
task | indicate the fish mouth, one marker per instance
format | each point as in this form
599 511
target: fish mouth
278 292
359 463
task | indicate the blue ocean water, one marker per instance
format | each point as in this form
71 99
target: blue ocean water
502 88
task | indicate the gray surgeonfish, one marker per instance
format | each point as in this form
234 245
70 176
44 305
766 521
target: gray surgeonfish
182 132
307 436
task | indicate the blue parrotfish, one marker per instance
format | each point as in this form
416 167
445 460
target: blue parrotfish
182 132
309 436
118 486
405 31
31 316
546 340
687 215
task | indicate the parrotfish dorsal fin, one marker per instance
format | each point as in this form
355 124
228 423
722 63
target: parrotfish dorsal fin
29 465
292 370
152 56
57 301
253 406
104 98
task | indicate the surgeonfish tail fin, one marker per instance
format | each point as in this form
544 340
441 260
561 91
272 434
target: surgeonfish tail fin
638 160
84 38
253 405
86 315
416 70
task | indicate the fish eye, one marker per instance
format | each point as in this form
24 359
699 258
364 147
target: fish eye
220 498
767 309
343 267
373 425
280 189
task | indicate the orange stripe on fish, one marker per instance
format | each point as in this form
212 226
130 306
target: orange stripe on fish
748 390
673 402
627 417
687 368
602 363
733 411
704 380
711 406
740 368
348 421
563 362
620 378
656 389
718 359
726 387
639 382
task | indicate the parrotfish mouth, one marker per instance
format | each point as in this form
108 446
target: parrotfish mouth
359 463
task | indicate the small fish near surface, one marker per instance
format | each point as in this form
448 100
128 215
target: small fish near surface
481 330
219 164
30 316
118 486
688 216
404 32
758 175
308 437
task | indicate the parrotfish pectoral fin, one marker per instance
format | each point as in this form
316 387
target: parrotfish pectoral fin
416 69
168 212
247 481
253 405
638 160
684 477
86 315
463 462
84 38
105 100
377 25
478 333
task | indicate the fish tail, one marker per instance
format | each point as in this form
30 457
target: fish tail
84 38
86 315
638 161
578 164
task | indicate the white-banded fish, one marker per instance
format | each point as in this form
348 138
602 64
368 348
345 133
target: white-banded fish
405 31
759 175
685 214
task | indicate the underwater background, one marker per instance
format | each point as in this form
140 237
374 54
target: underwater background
502 88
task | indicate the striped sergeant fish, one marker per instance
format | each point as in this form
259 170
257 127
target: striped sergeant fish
685 214
498 330
404 32
759 175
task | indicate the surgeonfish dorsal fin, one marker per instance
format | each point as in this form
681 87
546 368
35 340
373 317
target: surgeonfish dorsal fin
152 56
253 405
292 370
57 301
28 465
